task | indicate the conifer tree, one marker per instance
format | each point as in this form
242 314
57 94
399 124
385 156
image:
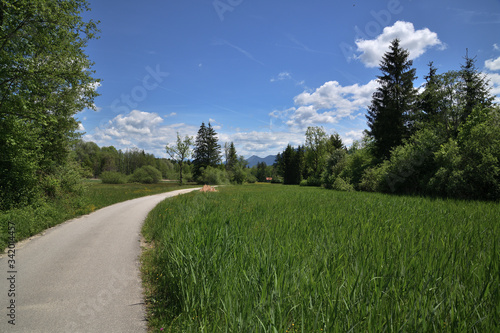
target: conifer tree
390 115
207 149
474 88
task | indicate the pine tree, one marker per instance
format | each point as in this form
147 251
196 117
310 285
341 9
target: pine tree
207 149
390 116
232 158
430 98
474 88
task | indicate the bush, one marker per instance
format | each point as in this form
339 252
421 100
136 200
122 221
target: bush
334 166
373 179
213 176
311 181
340 184
146 175
113 177
412 165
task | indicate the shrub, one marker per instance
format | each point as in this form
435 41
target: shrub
373 179
311 181
340 184
113 177
412 165
213 176
146 175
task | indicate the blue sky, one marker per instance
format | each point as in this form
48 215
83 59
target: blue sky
261 72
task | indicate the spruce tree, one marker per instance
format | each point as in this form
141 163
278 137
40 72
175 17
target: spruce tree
232 158
390 115
474 88
207 149
430 98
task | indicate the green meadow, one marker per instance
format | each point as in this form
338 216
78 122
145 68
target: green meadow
274 258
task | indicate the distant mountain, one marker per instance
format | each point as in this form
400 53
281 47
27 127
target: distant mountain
253 160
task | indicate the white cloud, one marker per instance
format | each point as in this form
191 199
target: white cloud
262 143
282 76
415 41
139 129
351 136
496 47
492 64
80 127
327 104
494 79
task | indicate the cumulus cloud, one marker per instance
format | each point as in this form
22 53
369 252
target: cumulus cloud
139 129
494 80
415 41
327 104
262 143
492 64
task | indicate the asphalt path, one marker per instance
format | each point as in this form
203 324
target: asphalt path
80 276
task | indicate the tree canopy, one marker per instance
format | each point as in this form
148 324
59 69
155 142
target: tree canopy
45 79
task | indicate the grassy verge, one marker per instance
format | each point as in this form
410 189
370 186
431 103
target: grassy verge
267 258
44 214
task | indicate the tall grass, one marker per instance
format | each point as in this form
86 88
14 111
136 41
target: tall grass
269 258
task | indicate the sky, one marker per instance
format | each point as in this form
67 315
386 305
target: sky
260 72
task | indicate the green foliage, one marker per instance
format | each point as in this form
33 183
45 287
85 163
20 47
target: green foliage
341 184
389 115
113 177
316 150
45 79
146 175
412 164
334 166
265 258
213 176
207 149
374 178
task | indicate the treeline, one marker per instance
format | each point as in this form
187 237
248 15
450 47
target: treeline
441 141
96 160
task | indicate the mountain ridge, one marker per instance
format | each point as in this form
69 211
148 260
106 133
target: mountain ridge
254 160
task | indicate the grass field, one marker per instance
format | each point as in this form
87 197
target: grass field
33 219
273 258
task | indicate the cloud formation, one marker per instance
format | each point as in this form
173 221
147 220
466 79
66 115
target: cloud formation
327 104
139 129
415 41
493 64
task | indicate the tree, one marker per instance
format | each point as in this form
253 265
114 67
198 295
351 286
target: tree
430 98
474 88
261 171
293 164
232 158
180 151
45 79
334 142
316 140
390 115
207 149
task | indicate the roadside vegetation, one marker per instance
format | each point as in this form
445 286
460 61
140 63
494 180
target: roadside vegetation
273 258
94 195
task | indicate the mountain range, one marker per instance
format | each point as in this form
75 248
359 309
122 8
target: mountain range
253 160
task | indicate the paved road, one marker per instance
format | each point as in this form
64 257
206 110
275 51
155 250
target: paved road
81 276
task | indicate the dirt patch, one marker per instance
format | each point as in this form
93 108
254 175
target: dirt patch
208 188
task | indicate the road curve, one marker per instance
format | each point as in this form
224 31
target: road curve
81 276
